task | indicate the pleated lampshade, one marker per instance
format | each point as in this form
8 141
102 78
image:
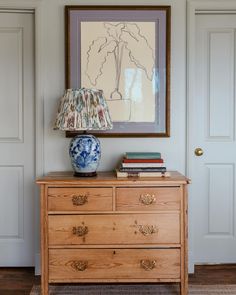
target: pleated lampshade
83 109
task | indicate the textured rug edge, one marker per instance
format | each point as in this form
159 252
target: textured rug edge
135 289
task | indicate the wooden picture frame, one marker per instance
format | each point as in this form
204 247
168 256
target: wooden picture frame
125 51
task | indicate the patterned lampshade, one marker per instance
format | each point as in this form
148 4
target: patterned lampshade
83 109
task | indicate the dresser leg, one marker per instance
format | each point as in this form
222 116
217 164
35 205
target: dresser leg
183 288
44 241
44 286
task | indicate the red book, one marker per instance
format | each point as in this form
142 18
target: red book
143 160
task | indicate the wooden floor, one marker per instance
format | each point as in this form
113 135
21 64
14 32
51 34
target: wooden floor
14 281
17 280
214 274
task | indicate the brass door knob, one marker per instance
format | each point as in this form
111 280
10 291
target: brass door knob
198 152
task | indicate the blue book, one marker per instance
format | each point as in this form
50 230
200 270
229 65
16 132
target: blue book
143 155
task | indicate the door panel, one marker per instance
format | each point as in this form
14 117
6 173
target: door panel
16 139
11 71
220 199
220 74
11 209
212 121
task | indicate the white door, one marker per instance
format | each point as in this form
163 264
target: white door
212 128
16 139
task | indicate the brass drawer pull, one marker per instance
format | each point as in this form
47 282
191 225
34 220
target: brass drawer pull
147 199
79 200
80 265
147 230
148 264
80 231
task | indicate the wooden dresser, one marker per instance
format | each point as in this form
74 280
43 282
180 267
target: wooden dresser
108 229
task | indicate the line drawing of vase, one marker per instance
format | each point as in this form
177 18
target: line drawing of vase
119 37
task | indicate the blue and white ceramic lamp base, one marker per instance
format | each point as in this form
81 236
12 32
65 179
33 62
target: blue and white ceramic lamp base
85 154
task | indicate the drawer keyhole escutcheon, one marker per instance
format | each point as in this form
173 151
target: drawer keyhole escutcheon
80 230
80 265
79 200
147 199
148 264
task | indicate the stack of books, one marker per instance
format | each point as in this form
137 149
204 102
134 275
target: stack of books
142 164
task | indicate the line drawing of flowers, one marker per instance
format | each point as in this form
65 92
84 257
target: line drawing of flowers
119 37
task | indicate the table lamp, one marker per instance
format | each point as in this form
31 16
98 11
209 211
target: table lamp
83 109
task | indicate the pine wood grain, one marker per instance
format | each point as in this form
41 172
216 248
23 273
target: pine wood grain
44 240
114 229
118 221
162 198
115 264
184 241
62 178
19 281
95 199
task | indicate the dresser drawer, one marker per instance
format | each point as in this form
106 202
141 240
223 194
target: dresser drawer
71 265
148 198
79 199
114 229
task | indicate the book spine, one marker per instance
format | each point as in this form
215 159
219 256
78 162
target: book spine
154 174
134 155
143 174
142 165
126 174
147 169
143 160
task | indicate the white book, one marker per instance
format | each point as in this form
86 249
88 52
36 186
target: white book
154 174
142 165
142 174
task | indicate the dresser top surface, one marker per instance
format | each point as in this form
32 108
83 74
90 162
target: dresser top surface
66 177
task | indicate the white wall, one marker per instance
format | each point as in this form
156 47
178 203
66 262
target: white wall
56 145
50 67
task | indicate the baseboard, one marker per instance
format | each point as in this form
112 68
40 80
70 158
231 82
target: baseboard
191 268
37 269
190 262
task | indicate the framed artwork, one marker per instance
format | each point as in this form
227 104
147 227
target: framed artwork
125 51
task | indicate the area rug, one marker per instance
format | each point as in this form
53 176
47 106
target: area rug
135 289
